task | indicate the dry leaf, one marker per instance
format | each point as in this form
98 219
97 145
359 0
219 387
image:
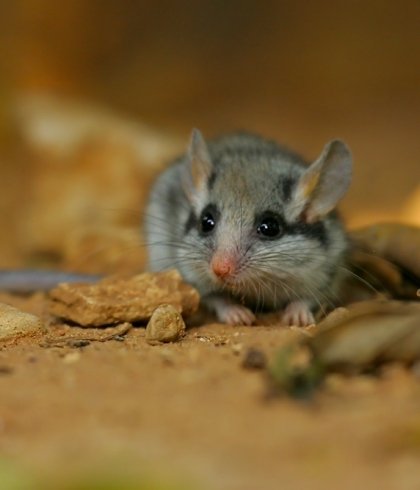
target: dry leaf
352 339
366 333
397 242
378 271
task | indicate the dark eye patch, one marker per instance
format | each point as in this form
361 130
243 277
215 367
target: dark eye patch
315 231
191 222
270 225
287 185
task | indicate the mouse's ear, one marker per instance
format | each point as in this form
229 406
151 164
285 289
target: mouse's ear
324 183
198 165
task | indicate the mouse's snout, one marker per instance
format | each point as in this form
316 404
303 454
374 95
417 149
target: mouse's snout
224 265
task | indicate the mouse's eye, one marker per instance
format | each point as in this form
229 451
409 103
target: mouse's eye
208 219
270 227
207 223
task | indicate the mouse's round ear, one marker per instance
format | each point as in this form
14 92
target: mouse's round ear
324 183
198 165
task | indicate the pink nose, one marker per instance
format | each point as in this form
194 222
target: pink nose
223 265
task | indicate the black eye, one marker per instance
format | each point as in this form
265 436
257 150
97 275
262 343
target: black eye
269 227
208 219
207 222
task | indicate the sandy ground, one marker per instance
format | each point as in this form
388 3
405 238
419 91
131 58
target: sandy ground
190 413
183 415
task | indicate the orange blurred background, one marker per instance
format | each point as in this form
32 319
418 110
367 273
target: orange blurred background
300 72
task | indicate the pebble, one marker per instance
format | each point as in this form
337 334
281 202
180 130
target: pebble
254 359
165 325
237 348
78 343
72 357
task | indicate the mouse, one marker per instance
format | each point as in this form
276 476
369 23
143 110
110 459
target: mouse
252 225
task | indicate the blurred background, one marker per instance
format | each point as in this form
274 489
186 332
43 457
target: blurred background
95 97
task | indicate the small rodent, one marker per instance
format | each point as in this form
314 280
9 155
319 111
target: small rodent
252 226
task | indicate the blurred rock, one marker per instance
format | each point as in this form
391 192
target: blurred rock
60 126
88 173
15 323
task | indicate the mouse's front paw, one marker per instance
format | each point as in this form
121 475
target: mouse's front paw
234 314
227 311
297 313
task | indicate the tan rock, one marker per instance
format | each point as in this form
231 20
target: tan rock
165 325
88 175
116 300
14 323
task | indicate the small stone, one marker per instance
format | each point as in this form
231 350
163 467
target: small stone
14 323
77 343
119 338
237 348
71 357
254 359
165 325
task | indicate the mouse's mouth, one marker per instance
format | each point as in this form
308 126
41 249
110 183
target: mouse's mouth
227 282
233 283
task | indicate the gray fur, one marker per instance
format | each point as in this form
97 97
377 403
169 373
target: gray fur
250 175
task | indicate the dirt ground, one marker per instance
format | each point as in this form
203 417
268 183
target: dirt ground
95 99
123 414
189 415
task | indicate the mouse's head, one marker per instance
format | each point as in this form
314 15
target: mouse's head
260 220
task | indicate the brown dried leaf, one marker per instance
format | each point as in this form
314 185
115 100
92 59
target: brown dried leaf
381 270
366 333
397 242
116 300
